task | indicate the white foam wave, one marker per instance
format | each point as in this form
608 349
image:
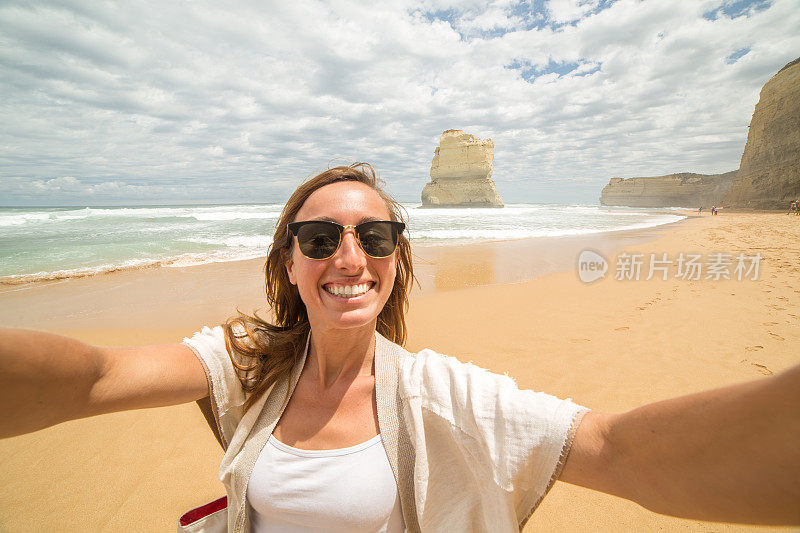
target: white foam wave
515 211
217 256
521 233
179 261
624 214
231 215
239 241
159 212
22 218
201 213
458 212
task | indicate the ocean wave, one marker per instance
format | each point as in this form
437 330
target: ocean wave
217 256
201 213
183 211
22 218
230 215
237 241
179 261
625 213
519 233
462 212
516 210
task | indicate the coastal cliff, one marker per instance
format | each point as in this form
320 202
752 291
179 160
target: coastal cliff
769 173
684 189
461 173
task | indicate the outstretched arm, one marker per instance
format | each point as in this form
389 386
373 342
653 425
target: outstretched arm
47 379
729 454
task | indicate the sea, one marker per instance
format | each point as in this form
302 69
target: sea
46 243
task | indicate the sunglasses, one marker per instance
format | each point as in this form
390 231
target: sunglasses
320 239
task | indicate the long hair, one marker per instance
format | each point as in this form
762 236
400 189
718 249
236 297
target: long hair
264 353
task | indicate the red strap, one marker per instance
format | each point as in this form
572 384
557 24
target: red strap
203 511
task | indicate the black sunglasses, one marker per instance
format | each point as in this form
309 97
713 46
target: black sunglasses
320 239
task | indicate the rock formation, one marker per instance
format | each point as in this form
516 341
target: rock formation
769 172
673 190
461 173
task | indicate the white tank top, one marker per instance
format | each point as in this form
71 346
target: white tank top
344 490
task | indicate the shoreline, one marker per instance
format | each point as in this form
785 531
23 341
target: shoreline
211 292
190 259
45 278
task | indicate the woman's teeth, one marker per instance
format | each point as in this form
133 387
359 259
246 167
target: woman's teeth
348 291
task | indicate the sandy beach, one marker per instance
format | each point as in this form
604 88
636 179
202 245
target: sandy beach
610 345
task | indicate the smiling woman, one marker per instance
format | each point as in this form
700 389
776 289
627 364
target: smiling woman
329 424
343 192
326 283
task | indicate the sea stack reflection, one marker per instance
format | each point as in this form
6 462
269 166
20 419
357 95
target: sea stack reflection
461 173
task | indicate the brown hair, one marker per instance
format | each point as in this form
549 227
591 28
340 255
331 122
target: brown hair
263 352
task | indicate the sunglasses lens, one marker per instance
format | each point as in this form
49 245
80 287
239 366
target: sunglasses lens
318 240
378 239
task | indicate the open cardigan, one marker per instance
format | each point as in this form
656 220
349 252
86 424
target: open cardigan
469 450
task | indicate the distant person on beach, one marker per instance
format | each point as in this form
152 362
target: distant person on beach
700 211
329 424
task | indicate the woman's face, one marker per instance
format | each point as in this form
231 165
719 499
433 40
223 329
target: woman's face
347 203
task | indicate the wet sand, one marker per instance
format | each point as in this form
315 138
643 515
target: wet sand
516 307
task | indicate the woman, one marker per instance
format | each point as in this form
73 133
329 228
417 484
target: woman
328 423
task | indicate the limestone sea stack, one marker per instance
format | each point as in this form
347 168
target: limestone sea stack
461 173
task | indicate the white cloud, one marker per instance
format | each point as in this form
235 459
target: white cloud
63 183
570 10
243 100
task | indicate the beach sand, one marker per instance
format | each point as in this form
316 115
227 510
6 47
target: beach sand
611 345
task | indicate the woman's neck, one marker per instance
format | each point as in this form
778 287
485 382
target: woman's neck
340 354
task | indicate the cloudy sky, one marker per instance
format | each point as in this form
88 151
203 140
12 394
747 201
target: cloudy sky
133 102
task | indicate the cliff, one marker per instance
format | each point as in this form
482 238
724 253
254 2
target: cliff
673 190
769 172
461 173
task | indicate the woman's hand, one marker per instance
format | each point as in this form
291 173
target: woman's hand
47 379
729 454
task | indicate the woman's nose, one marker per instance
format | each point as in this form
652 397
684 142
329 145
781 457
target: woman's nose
350 255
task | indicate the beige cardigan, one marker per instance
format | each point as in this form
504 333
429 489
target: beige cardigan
469 450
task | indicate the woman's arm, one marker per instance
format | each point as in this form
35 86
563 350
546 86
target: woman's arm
47 379
729 454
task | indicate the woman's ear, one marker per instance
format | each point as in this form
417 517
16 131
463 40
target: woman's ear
290 271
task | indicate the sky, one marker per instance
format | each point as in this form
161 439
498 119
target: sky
125 103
